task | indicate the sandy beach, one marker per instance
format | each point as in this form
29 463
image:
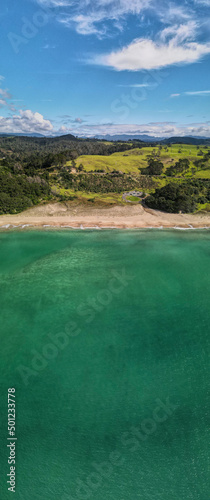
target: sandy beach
86 216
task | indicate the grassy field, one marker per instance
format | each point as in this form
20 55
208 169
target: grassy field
130 161
100 198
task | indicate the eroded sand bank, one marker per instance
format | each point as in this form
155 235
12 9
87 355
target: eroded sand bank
69 215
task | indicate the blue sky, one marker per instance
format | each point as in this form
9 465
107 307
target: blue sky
105 66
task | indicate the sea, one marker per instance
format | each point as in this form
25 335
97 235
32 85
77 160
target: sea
104 345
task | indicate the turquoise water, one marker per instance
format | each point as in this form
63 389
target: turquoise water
104 336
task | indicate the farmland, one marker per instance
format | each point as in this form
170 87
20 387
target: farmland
130 161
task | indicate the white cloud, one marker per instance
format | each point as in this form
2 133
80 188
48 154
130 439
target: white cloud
158 129
22 120
5 94
78 120
174 45
26 121
193 93
179 33
105 17
175 13
1 78
3 102
5 98
91 16
48 46
63 130
55 3
136 85
85 25
199 92
203 2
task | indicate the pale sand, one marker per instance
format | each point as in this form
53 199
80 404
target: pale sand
86 216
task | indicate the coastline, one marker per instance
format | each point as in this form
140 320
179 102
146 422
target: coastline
66 215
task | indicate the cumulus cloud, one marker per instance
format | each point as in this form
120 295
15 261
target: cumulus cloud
28 122
25 122
173 45
78 120
63 130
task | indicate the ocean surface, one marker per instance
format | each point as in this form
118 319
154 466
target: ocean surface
105 337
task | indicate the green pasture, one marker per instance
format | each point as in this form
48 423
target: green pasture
106 198
131 160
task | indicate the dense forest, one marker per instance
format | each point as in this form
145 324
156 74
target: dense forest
184 198
65 144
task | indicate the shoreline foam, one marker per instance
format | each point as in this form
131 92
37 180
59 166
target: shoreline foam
68 216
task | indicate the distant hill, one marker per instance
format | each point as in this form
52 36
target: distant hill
147 138
21 135
67 137
64 139
128 137
45 145
196 141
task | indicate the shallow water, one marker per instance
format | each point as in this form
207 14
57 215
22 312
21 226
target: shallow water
99 330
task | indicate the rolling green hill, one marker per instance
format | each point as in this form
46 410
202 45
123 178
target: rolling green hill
131 160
